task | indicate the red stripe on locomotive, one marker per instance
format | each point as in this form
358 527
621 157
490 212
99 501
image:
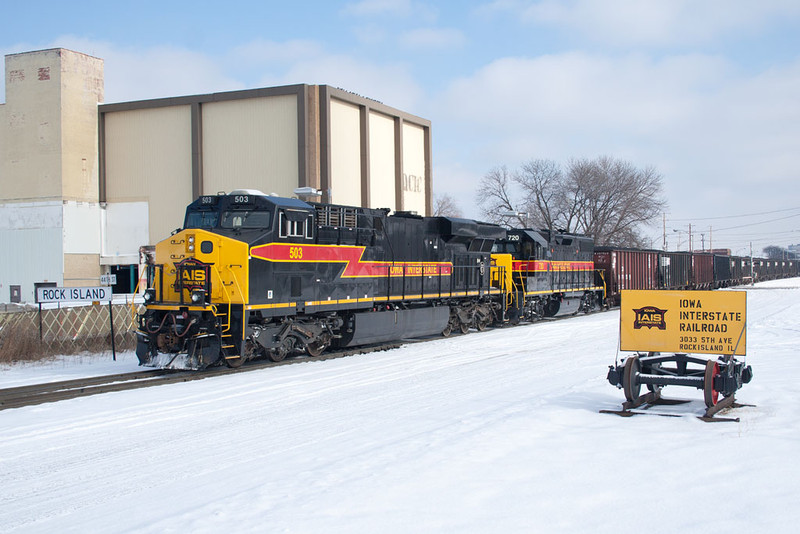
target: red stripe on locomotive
351 257
546 266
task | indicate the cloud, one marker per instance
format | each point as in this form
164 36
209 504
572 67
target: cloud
379 7
433 39
571 89
391 8
165 71
392 83
653 23
153 72
370 34
262 51
697 118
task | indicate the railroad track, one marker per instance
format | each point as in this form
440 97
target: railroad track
34 394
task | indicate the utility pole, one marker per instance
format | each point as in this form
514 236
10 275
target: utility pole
710 246
664 223
691 247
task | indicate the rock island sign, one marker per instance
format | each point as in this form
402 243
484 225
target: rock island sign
73 294
704 322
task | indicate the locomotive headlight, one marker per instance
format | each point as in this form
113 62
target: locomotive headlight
149 295
190 243
198 296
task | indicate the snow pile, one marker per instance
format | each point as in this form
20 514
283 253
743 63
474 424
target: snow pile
490 432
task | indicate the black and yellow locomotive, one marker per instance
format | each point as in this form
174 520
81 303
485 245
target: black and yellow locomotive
254 275
547 273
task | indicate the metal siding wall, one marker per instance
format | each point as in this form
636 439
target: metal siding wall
149 158
5 171
381 161
345 145
413 168
37 257
251 144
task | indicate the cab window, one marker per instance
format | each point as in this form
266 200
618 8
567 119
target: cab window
245 219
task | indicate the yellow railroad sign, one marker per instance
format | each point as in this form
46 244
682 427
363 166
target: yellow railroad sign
704 322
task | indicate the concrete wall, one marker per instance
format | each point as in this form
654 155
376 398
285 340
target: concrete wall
381 156
250 144
81 91
414 182
381 161
148 158
32 148
345 143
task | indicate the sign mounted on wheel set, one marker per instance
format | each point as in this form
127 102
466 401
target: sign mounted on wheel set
684 323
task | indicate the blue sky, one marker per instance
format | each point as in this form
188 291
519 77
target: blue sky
705 91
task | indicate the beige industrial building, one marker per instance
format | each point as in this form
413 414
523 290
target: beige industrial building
84 185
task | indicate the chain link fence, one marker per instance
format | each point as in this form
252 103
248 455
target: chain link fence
34 334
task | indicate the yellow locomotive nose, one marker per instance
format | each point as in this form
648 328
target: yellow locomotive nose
193 260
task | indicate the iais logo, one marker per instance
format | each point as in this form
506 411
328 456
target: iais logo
650 317
192 274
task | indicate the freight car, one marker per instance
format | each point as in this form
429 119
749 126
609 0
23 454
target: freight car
621 268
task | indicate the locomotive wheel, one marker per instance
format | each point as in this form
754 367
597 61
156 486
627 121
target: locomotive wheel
234 362
279 354
551 308
447 330
316 348
711 395
464 328
630 383
481 325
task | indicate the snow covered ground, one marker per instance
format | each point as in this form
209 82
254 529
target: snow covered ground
490 432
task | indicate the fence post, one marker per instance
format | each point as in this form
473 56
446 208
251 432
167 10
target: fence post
40 322
113 341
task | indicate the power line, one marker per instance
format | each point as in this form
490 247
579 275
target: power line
733 216
761 222
750 224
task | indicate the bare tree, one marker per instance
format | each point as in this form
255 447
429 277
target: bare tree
541 184
774 252
606 198
445 206
497 198
616 200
